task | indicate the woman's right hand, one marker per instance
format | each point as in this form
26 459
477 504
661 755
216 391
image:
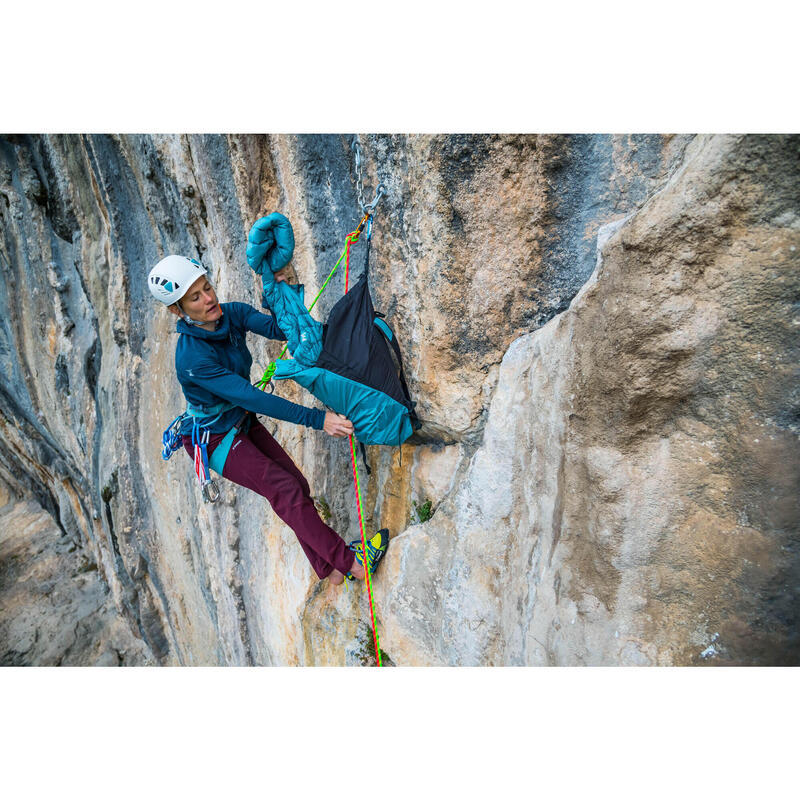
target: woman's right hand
337 425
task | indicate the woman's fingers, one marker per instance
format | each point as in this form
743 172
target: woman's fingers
337 425
343 425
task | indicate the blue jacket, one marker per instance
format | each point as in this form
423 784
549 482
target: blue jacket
213 366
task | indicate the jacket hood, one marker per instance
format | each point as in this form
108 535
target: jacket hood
222 330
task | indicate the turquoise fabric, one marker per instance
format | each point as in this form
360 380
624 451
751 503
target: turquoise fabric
270 245
205 412
376 417
379 323
220 454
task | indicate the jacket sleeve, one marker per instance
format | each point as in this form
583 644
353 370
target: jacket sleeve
262 324
232 387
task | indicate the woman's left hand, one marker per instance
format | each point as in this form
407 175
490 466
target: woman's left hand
337 425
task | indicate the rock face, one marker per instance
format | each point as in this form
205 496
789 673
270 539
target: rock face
600 332
54 609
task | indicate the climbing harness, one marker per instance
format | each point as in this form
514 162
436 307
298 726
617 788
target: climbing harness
202 419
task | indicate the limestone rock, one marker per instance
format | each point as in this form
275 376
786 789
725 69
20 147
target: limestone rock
634 500
54 608
599 333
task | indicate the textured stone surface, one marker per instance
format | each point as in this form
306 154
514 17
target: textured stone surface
54 609
634 500
609 443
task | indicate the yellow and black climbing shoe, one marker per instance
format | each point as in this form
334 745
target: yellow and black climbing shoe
376 547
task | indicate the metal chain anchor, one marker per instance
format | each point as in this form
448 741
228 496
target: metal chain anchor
380 191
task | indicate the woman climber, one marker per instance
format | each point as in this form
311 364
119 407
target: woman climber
213 365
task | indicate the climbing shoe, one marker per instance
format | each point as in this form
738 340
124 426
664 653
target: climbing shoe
376 547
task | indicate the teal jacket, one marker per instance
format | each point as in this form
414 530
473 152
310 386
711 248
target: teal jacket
214 366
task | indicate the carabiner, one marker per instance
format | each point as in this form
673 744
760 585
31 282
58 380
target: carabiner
210 491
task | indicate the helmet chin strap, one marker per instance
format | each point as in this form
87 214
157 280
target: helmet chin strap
185 317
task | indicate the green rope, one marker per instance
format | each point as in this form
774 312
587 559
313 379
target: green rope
267 376
367 561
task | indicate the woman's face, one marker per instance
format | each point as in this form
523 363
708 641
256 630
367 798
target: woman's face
200 302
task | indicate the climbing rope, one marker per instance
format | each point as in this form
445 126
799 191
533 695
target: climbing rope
367 564
269 372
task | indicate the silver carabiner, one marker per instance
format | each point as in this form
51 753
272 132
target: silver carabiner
210 491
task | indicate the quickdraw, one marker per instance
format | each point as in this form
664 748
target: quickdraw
201 432
208 485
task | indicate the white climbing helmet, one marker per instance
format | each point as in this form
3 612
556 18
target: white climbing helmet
170 279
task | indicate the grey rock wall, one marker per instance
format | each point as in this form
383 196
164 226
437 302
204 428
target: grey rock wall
555 378
54 608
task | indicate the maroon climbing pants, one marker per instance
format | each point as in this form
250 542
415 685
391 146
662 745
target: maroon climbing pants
256 461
